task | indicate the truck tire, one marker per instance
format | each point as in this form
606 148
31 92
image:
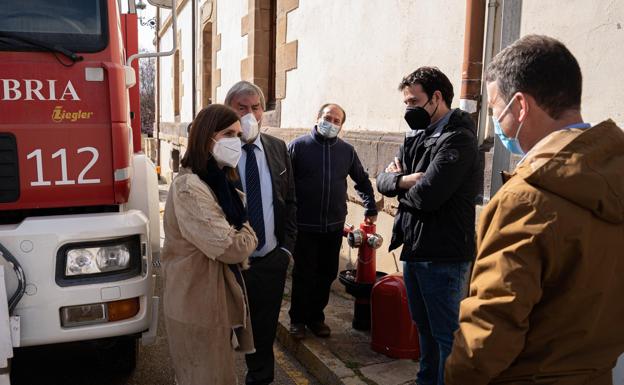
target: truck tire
121 354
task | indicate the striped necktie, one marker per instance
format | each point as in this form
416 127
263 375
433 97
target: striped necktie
254 194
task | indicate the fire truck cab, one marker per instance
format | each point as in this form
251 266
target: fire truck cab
79 218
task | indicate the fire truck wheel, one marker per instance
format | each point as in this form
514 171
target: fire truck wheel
121 356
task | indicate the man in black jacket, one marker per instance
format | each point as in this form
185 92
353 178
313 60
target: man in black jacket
435 178
266 177
321 163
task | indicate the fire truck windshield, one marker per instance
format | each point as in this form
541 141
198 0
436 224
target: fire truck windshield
78 26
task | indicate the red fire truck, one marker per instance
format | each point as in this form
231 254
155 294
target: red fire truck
79 220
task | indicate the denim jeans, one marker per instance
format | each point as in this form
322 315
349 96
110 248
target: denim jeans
434 290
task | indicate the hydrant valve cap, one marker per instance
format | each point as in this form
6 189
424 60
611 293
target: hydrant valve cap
354 238
375 241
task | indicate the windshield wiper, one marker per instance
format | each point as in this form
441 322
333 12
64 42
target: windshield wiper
37 43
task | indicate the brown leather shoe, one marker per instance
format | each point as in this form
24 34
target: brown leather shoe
320 329
297 331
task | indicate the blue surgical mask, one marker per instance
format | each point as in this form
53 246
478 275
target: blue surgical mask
511 144
327 129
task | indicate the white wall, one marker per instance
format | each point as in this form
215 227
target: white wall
185 19
185 24
233 46
355 53
166 80
164 14
594 33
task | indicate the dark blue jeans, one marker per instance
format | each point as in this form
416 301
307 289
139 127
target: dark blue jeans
434 290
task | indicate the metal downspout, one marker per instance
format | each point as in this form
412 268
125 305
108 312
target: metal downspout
511 18
487 58
472 66
472 69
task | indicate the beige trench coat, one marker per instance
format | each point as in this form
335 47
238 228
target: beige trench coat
545 303
203 302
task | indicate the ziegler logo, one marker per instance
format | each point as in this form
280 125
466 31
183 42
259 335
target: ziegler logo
60 115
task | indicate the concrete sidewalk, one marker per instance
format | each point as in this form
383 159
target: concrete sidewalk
346 357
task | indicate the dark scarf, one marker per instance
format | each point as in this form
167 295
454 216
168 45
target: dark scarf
227 196
229 200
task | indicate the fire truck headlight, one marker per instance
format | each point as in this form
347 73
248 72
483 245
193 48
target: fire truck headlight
106 260
80 261
113 258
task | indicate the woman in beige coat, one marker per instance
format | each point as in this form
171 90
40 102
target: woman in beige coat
207 241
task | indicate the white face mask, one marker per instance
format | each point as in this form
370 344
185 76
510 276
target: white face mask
249 128
227 151
327 129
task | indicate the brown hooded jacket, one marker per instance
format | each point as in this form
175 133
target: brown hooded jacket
546 301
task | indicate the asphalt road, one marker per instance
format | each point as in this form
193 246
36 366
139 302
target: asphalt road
83 364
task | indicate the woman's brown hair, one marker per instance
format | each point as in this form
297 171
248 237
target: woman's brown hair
209 121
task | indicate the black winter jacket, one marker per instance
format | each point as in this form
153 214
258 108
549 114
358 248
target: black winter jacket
320 167
436 217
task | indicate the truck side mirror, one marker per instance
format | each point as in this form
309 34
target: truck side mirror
167 4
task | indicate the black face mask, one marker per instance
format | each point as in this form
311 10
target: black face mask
418 118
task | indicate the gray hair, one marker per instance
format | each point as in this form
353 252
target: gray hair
244 88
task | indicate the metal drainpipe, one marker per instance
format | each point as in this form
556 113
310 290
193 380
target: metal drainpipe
487 58
472 66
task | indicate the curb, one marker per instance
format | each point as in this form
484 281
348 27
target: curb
314 355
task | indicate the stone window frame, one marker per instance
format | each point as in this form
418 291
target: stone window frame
208 16
216 47
255 67
178 86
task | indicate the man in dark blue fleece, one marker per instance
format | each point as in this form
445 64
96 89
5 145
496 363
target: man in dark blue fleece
321 163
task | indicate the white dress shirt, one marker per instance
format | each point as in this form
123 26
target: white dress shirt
266 189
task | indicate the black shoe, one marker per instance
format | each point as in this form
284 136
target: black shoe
320 329
297 331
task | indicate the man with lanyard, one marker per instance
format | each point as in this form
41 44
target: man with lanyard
435 177
545 303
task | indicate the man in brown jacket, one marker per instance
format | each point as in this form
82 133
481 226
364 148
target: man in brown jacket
545 303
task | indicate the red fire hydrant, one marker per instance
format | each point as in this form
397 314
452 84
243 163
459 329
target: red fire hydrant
359 282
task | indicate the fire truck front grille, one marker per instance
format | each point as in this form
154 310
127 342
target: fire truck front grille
9 171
